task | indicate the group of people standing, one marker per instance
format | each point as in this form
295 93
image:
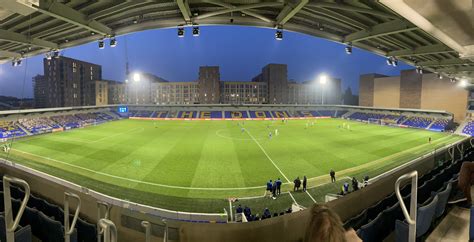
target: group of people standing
274 188
297 184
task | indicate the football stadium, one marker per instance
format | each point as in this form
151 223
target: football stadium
85 158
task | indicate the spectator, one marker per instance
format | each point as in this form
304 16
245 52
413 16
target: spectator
326 226
355 184
274 189
247 212
278 183
304 183
297 183
269 187
239 209
332 173
345 188
266 214
465 180
366 181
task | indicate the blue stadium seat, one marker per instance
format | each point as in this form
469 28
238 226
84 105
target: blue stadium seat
425 215
22 234
443 200
357 221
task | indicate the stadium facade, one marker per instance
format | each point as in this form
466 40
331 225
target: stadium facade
414 91
69 82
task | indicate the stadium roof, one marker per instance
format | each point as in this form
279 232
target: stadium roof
430 33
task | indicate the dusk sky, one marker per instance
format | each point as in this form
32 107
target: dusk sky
241 52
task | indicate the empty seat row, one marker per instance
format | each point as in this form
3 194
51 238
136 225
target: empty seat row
378 221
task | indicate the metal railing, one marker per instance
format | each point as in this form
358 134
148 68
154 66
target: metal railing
106 206
147 226
69 228
165 234
411 218
109 230
12 224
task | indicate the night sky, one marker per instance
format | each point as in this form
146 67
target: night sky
241 52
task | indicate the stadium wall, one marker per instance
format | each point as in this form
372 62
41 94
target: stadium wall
387 92
442 94
411 90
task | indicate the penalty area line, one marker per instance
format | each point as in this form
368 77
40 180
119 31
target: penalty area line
269 158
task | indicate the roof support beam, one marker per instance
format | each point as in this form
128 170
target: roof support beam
423 50
23 39
184 8
239 9
349 8
289 11
383 29
248 12
456 69
9 54
448 62
63 12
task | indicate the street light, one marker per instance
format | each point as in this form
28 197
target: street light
323 79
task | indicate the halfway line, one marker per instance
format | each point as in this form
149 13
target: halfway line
255 140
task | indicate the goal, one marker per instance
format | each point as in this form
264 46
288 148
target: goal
374 121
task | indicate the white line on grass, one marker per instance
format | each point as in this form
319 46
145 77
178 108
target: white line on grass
256 141
312 198
293 198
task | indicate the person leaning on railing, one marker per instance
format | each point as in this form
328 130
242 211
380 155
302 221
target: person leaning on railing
326 226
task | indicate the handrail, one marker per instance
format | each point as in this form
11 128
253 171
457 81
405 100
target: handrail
10 224
165 234
411 218
461 150
109 230
451 153
105 205
69 228
147 226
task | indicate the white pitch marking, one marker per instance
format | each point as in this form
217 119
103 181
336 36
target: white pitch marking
292 198
312 198
256 141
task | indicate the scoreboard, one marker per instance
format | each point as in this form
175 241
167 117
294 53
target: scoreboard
123 109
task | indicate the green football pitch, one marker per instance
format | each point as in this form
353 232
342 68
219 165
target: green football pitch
196 165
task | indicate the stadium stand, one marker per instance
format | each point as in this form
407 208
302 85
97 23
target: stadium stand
365 116
67 121
9 129
418 122
38 125
439 125
379 220
469 128
44 220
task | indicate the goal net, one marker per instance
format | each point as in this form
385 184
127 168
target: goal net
374 121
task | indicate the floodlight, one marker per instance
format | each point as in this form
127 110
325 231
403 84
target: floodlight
196 31
48 55
389 61
419 70
440 76
279 34
180 32
55 54
113 42
16 62
323 79
349 49
126 80
136 77
101 44
463 83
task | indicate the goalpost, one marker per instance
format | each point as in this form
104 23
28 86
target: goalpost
374 121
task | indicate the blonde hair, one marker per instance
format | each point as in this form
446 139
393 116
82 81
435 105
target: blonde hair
324 226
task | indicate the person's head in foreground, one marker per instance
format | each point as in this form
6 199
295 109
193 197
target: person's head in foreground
326 226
